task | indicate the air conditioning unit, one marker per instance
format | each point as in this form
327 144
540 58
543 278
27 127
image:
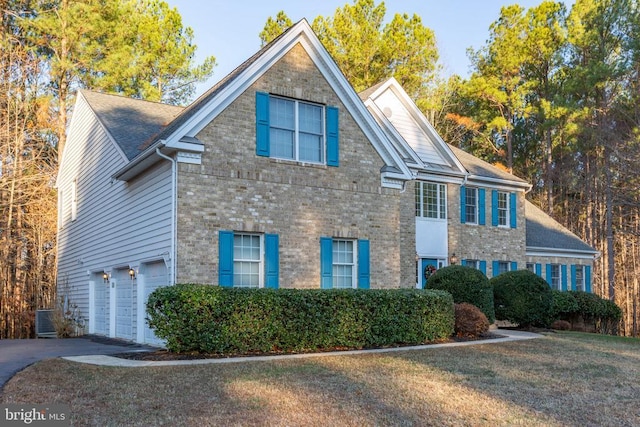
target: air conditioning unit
44 324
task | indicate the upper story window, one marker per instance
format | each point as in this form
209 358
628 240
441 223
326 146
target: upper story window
503 209
297 130
431 200
471 206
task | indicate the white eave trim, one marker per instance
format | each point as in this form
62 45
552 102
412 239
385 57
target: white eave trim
498 183
561 252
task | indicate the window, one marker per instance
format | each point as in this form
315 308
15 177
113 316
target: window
296 130
247 260
431 200
344 263
473 263
555 277
579 278
500 267
531 267
503 267
503 209
471 206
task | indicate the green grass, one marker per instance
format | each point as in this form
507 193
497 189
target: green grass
564 379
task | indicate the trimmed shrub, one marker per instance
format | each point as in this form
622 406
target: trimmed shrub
465 284
586 311
470 321
522 297
212 319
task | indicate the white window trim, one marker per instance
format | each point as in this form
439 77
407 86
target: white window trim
507 210
296 132
441 201
477 210
354 264
261 262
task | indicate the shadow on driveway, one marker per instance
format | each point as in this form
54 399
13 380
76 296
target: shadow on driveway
15 355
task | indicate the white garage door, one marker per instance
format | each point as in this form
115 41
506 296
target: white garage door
154 278
101 306
124 309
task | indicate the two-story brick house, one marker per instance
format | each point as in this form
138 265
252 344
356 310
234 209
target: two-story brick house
278 176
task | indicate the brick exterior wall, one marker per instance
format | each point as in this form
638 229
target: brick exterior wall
234 189
486 242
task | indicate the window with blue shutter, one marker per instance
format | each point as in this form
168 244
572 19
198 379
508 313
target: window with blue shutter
262 124
587 278
326 262
296 130
332 136
364 273
564 277
495 267
513 211
463 204
225 258
483 267
494 208
514 266
271 261
539 269
481 206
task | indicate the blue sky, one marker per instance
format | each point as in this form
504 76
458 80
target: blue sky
228 29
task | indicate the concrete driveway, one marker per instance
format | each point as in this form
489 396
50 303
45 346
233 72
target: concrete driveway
15 355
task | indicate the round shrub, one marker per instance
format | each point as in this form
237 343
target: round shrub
564 306
465 284
522 297
470 321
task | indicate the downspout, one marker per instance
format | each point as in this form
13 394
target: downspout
174 210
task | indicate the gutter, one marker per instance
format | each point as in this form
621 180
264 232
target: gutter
174 201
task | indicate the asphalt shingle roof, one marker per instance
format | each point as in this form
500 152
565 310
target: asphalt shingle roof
479 167
131 122
545 232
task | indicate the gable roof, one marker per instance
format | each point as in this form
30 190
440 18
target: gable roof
546 234
130 122
188 123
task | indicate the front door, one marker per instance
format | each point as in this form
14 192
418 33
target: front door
427 267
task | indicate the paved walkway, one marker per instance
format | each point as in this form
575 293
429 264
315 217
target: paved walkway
15 355
106 360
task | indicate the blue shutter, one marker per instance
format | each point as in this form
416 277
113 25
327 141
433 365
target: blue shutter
514 265
587 278
262 124
483 267
573 277
271 261
481 206
496 268
463 263
333 158
549 274
494 208
463 204
513 214
563 272
364 273
225 258
539 269
326 262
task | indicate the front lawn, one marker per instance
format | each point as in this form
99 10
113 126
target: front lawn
562 379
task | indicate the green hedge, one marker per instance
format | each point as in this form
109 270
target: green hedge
466 284
578 306
522 297
212 319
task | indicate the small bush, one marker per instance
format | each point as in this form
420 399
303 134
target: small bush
470 321
561 325
212 319
588 311
522 297
465 284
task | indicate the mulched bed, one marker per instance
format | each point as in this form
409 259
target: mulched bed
163 355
